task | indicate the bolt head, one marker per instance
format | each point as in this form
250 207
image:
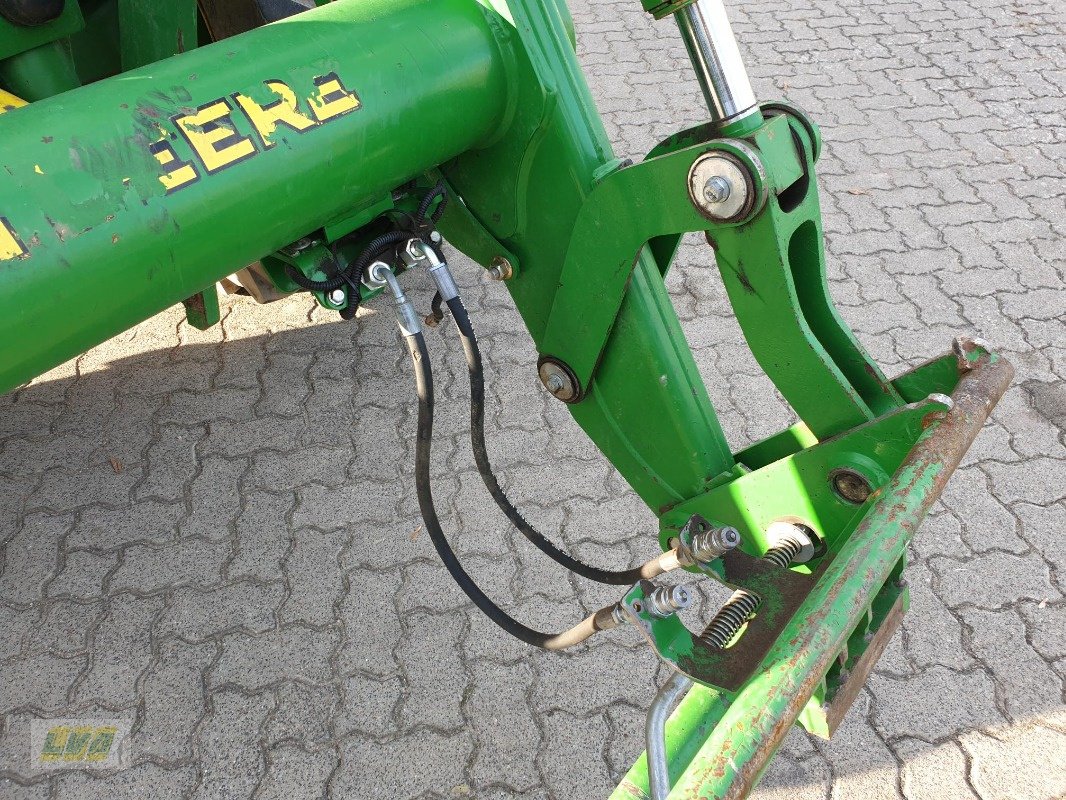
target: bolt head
337 297
850 486
557 380
501 269
435 237
717 189
415 250
720 186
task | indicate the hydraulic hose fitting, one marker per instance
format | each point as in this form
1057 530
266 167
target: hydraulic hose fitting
701 542
417 251
666 601
715 543
409 321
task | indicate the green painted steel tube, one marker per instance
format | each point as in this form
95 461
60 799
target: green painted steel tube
739 737
129 195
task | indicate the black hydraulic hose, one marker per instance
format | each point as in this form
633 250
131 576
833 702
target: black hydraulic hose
353 274
481 458
601 620
441 191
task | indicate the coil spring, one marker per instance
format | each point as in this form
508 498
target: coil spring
738 608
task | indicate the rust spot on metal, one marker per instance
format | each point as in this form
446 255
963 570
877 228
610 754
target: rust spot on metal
886 387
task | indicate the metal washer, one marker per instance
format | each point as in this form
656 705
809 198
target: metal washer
721 164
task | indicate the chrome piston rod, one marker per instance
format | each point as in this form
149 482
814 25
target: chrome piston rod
716 58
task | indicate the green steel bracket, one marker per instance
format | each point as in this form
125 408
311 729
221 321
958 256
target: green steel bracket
831 700
797 489
772 263
465 231
800 487
664 247
15 39
666 635
625 210
202 309
719 742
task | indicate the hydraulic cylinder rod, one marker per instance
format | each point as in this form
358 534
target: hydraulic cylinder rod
715 56
129 195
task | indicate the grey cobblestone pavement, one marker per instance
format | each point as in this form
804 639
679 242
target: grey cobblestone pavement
215 535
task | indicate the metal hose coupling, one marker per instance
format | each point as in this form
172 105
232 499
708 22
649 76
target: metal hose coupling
418 252
715 543
666 601
408 320
702 542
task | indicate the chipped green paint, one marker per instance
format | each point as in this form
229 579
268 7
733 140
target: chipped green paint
107 247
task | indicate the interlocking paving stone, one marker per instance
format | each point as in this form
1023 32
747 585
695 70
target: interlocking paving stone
933 772
214 534
174 699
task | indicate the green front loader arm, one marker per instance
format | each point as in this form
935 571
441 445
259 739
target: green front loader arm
290 144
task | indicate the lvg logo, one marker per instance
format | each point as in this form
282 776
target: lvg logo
217 145
83 743
74 743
